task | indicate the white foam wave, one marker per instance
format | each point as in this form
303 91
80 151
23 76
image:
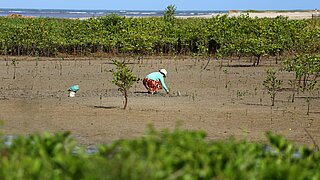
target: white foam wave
79 12
16 11
148 13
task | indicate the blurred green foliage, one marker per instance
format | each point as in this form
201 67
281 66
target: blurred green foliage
166 154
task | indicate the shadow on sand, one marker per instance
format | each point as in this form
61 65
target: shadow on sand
105 107
239 65
140 92
156 94
314 112
255 104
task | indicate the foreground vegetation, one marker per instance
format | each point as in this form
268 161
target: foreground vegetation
177 154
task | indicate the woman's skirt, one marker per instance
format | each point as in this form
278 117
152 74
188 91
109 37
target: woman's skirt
151 85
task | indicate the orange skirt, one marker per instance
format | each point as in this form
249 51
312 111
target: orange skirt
151 85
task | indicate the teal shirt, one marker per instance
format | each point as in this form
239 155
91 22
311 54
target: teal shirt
157 76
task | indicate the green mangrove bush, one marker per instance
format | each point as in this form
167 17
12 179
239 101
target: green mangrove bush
175 154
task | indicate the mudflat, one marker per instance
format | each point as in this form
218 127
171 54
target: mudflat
225 100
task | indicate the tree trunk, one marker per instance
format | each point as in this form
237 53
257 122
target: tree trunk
272 99
14 72
258 61
294 90
125 99
205 67
308 102
299 84
304 82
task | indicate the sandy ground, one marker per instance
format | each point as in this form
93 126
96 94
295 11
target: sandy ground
223 101
290 15
269 14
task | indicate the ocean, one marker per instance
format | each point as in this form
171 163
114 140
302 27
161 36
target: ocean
58 13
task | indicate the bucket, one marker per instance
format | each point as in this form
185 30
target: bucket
72 94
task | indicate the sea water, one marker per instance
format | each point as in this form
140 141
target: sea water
64 13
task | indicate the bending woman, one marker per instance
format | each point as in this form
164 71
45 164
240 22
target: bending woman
155 81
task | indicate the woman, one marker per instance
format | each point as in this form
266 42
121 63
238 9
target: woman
155 81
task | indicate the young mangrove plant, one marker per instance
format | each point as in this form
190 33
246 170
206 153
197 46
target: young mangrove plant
310 87
225 71
272 84
14 63
123 78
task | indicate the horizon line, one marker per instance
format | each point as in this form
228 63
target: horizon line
5 8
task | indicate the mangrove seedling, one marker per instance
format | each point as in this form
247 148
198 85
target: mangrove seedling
310 87
123 78
272 84
14 63
225 71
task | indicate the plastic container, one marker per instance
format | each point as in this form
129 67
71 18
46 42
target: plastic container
72 94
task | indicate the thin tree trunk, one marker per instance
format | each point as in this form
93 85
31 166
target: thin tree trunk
125 99
299 84
316 147
258 61
293 96
294 90
304 82
205 67
308 110
14 72
272 99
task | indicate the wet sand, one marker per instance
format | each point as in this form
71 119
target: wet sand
222 101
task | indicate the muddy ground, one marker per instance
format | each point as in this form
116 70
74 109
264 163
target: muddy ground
227 99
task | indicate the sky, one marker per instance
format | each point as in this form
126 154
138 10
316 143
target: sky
162 4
